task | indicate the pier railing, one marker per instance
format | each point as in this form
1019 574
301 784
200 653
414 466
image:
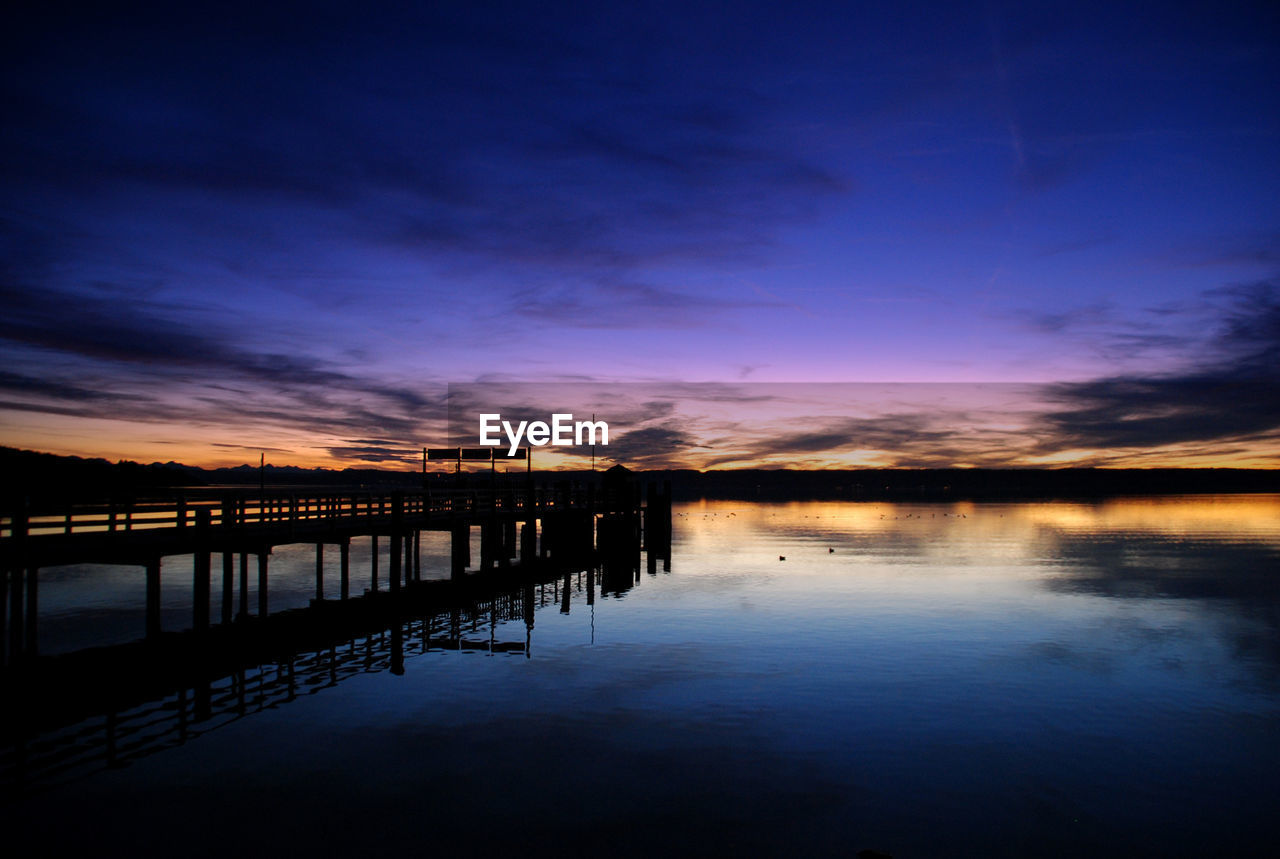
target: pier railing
240 509
536 525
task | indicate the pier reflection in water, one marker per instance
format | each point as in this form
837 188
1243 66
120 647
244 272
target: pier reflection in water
122 728
1043 679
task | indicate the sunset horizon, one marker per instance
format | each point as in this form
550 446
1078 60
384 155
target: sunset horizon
640 428
1111 423
228 248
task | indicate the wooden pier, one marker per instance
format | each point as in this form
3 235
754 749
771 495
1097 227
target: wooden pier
528 524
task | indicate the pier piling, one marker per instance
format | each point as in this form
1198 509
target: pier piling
228 584
153 597
200 583
344 559
244 584
33 580
262 583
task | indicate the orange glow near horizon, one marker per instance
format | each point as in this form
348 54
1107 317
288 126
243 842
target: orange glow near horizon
1187 516
213 455
801 426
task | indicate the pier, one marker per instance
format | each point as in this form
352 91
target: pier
526 525
104 706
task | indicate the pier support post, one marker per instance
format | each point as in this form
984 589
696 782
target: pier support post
244 584
657 525
153 597
459 548
486 545
408 558
18 531
394 573
397 521
262 584
202 709
200 577
528 542
549 523
33 612
397 649
319 572
15 613
228 583
344 555
373 563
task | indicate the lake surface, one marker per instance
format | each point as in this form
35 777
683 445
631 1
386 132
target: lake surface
1030 679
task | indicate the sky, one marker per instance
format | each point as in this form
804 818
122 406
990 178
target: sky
243 228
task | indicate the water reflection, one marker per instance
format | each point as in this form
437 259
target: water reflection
103 708
1216 556
1228 580
1058 678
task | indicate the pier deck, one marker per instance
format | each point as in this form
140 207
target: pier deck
554 523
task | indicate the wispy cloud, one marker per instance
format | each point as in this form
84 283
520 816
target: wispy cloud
101 358
1232 392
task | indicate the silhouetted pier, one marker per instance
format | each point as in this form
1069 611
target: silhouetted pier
98 706
525 524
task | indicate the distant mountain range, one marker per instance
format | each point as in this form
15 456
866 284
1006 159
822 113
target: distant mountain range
37 475
26 472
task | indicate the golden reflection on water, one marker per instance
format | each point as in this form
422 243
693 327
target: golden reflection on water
1196 516
968 533
1183 514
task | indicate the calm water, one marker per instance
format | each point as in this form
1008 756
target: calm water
1052 679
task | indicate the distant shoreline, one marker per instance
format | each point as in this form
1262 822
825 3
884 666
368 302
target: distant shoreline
34 475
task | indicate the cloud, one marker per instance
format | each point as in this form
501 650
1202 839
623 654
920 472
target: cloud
114 358
46 388
923 437
375 453
245 217
1132 412
249 447
452 138
1170 332
651 447
1233 392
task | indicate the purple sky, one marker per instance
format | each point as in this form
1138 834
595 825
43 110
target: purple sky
251 228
